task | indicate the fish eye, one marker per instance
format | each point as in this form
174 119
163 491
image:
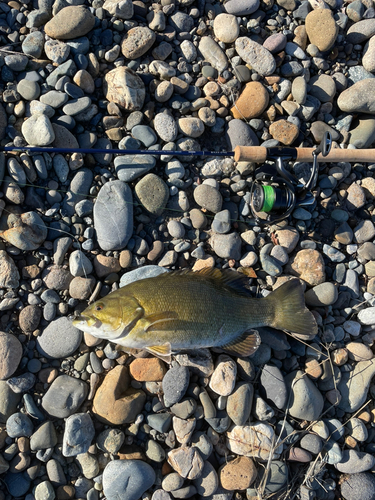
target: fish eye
99 307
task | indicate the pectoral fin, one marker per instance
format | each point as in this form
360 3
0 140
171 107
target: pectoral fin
160 321
244 345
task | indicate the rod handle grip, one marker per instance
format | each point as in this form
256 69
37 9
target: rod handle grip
258 154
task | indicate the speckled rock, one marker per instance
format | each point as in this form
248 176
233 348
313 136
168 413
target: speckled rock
259 58
125 88
321 28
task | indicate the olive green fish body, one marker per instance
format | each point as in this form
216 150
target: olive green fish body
208 314
186 310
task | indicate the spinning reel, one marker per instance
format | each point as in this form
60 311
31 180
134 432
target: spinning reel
276 192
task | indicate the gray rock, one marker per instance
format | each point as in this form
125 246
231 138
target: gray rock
130 167
141 273
226 246
114 232
359 98
78 434
212 53
38 131
181 21
44 437
354 385
324 294
239 403
355 486
8 401
59 339
272 386
361 31
207 483
364 231
16 62
153 193
354 462
240 133
79 264
260 59
208 197
19 425
127 479
64 396
306 402
33 44
9 274
67 68
166 127
175 384
57 51
241 7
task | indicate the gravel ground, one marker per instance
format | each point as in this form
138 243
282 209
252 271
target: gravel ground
78 417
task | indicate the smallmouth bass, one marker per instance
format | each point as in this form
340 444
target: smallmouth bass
191 310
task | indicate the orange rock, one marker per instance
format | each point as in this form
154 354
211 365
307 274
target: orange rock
114 402
252 101
239 474
284 131
147 369
313 368
105 265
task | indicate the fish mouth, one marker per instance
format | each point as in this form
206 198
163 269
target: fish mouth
87 320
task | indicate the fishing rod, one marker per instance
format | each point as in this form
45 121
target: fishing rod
254 154
275 191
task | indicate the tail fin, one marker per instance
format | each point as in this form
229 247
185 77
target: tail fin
288 303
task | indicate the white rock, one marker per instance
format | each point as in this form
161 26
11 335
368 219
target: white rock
38 131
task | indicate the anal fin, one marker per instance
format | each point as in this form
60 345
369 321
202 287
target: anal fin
163 351
244 345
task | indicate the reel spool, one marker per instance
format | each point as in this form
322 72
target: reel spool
275 192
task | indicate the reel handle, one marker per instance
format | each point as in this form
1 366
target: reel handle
258 154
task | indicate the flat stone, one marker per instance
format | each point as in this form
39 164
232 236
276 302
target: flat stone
127 479
114 198
59 339
137 42
361 31
64 396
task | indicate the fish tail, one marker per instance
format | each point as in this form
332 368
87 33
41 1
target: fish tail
290 312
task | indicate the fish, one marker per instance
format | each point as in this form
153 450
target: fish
184 310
